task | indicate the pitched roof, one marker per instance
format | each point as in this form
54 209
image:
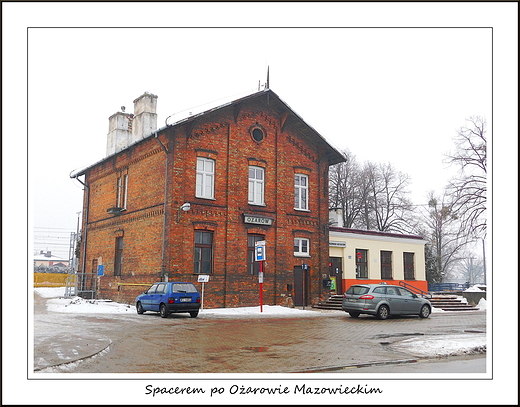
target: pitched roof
43 257
274 102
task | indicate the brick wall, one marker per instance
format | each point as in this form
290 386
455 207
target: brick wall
224 136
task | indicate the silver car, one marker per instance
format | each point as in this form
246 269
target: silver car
383 300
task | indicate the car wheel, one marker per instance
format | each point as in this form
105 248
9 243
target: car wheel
383 312
425 311
139 308
163 311
194 314
354 314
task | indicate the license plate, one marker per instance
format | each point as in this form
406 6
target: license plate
185 299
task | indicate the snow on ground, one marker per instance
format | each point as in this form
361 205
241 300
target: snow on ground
57 303
477 288
444 345
436 346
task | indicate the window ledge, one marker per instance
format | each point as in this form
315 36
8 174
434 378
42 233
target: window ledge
301 255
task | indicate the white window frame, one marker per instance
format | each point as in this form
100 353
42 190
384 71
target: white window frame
300 244
256 189
122 191
301 192
205 179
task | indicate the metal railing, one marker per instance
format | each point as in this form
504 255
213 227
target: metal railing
447 286
70 285
86 285
415 290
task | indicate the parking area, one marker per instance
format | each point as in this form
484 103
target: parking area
213 343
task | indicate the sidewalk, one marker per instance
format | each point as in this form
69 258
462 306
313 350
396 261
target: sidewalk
62 347
278 340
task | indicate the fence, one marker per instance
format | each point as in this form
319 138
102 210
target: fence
86 285
447 286
50 279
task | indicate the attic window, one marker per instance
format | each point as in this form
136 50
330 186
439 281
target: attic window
257 133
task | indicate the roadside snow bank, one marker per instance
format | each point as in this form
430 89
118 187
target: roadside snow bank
477 288
444 345
266 309
482 304
57 303
50 292
82 306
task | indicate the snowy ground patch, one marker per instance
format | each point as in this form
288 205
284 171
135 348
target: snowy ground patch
83 306
477 288
482 304
50 292
266 310
444 345
57 303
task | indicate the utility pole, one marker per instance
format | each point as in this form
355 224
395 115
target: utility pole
76 263
484 259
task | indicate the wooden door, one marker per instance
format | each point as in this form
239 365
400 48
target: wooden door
301 286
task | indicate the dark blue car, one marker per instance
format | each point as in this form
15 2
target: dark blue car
168 297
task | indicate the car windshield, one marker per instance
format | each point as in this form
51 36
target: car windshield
183 288
357 290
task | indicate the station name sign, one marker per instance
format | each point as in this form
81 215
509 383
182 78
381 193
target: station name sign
258 220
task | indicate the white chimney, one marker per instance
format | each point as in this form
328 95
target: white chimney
336 217
119 132
145 117
125 129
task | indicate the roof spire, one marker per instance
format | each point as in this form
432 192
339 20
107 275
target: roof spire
267 84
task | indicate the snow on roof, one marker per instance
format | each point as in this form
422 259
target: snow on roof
44 257
190 114
373 233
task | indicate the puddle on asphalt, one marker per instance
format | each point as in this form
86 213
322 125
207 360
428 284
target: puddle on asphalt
257 348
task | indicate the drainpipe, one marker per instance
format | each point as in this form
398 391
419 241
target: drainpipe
85 222
163 266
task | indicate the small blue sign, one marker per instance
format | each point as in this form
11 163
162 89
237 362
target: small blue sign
100 270
260 253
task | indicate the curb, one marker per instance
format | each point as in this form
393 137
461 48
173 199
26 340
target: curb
358 365
76 359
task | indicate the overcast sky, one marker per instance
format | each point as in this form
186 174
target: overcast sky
388 94
393 95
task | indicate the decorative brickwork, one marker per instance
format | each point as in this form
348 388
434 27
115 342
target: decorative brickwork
159 238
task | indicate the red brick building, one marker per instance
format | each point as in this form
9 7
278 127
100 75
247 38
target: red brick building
194 196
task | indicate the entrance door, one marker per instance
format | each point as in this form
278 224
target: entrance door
336 270
301 286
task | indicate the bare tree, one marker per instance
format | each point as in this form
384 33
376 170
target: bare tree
446 238
387 206
372 197
470 269
344 186
468 189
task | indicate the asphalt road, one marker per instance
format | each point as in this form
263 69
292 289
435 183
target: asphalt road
131 343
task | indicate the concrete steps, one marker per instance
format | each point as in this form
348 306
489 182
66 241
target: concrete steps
333 302
450 303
